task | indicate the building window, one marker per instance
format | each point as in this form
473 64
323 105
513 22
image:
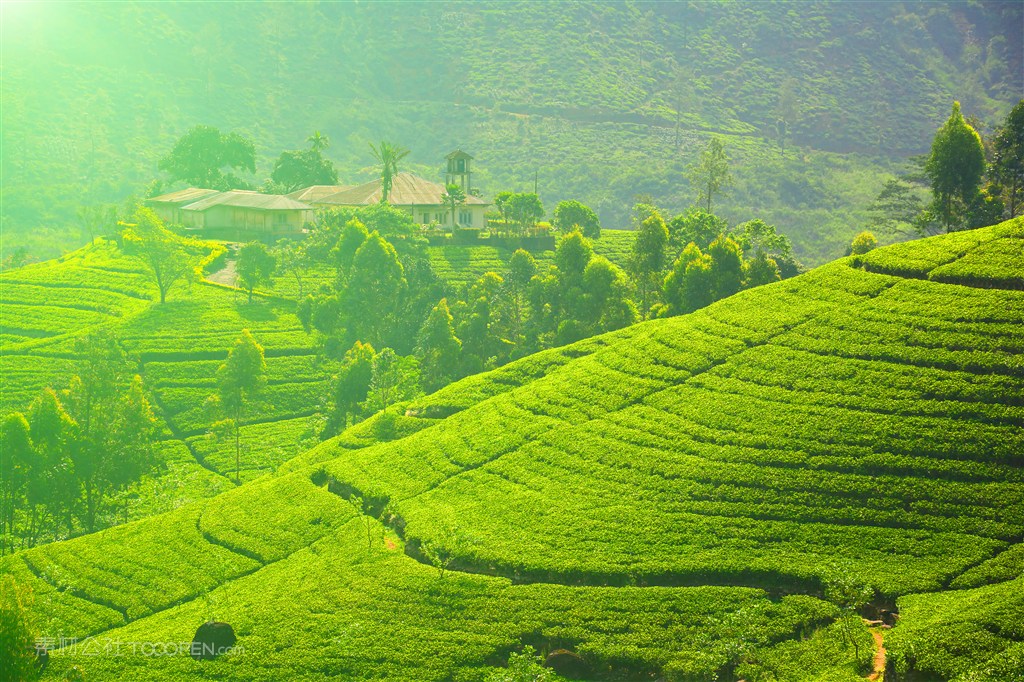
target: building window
281 218
460 166
465 217
439 218
426 218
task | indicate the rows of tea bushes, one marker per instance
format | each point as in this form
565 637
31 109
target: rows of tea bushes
149 565
351 609
756 442
204 324
179 344
989 257
460 265
975 634
265 446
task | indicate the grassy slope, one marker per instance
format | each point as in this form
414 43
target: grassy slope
180 344
586 96
846 419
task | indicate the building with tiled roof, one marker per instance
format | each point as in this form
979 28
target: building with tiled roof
235 210
420 197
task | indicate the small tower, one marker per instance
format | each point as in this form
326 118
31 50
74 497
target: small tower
459 172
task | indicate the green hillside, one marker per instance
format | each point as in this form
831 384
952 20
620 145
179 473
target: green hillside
596 101
45 307
679 498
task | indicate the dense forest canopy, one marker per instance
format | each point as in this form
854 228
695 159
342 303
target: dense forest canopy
599 102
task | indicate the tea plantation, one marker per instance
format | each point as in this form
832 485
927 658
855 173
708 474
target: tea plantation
678 499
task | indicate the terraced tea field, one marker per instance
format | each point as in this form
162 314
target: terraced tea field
673 499
177 346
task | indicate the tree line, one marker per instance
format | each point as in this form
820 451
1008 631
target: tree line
70 454
964 182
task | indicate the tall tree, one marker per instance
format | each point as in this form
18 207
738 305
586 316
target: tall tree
16 465
695 225
93 219
711 174
17 631
647 260
351 386
318 141
51 483
294 259
521 269
200 155
688 286
388 155
160 249
453 197
955 167
353 236
375 290
255 266
394 378
526 209
572 214
302 168
239 379
108 453
571 257
503 202
438 348
726 267
606 305
1008 160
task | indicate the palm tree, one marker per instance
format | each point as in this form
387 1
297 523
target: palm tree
388 155
318 141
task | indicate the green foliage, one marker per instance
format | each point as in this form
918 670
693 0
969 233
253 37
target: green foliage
524 209
302 168
200 155
17 631
525 666
711 174
726 267
862 243
375 290
571 258
453 197
294 259
438 349
351 386
255 266
239 379
961 634
570 215
1007 169
648 259
847 422
694 226
688 286
955 167
160 249
388 155
392 379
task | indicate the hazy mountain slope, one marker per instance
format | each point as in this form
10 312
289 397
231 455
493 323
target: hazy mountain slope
601 101
844 422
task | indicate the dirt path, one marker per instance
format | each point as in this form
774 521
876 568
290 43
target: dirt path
225 275
879 663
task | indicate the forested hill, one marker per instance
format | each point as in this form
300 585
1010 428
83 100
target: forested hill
601 101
